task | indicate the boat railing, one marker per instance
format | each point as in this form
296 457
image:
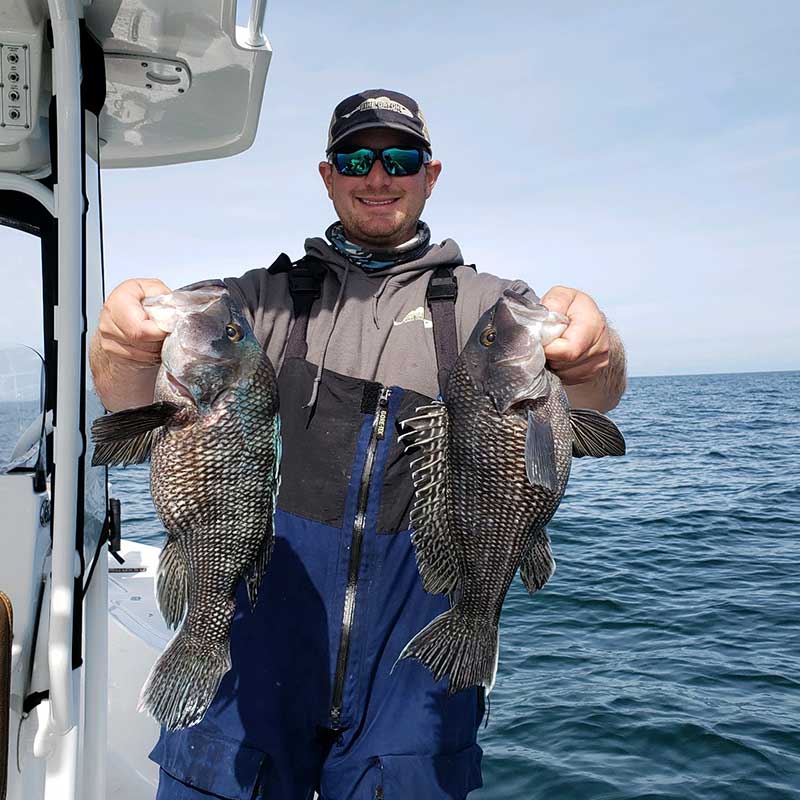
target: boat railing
255 26
60 735
57 577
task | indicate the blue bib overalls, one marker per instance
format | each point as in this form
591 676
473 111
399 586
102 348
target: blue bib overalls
309 703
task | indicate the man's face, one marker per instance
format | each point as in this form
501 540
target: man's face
379 210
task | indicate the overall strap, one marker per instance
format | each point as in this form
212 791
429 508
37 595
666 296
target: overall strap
305 286
441 297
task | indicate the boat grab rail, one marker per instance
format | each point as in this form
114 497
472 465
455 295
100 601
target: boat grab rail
69 328
255 26
14 182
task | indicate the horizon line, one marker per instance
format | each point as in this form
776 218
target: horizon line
701 374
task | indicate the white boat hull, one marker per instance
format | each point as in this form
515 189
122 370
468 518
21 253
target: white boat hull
136 636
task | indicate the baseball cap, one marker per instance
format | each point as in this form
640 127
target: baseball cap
377 108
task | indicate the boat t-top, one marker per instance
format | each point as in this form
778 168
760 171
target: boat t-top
84 85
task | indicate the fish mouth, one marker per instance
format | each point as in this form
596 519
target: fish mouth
513 361
180 388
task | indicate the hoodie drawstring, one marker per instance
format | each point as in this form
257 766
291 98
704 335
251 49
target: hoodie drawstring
312 401
376 297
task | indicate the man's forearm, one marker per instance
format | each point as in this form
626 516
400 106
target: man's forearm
118 383
604 391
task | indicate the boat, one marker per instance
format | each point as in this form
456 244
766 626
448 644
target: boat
89 86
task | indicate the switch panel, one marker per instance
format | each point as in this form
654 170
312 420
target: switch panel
15 92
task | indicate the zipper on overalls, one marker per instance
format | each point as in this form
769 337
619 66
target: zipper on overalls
359 523
379 787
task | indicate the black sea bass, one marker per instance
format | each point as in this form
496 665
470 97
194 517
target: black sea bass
492 464
213 438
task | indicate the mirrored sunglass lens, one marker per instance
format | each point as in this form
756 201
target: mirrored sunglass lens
356 163
399 161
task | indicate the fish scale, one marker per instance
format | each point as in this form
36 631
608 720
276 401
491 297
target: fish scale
500 518
218 470
213 438
493 462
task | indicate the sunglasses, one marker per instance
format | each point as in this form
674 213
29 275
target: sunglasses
396 161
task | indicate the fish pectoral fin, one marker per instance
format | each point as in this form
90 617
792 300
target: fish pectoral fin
538 564
540 456
594 434
126 436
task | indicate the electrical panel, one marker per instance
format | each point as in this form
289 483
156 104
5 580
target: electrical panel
24 85
15 89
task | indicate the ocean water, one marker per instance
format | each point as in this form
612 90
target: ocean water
662 661
16 416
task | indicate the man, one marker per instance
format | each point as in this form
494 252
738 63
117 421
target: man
362 331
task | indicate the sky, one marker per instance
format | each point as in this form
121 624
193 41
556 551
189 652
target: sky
647 153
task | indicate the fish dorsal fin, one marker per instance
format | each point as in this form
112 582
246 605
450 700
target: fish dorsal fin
126 436
538 564
426 433
540 454
594 434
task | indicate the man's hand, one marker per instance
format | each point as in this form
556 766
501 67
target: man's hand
125 332
581 352
588 355
126 348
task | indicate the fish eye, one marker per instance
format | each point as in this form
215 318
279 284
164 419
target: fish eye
233 332
488 336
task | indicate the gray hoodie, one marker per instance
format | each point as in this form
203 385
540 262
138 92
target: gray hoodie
380 329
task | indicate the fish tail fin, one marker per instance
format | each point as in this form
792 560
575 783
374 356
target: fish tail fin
462 649
184 680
